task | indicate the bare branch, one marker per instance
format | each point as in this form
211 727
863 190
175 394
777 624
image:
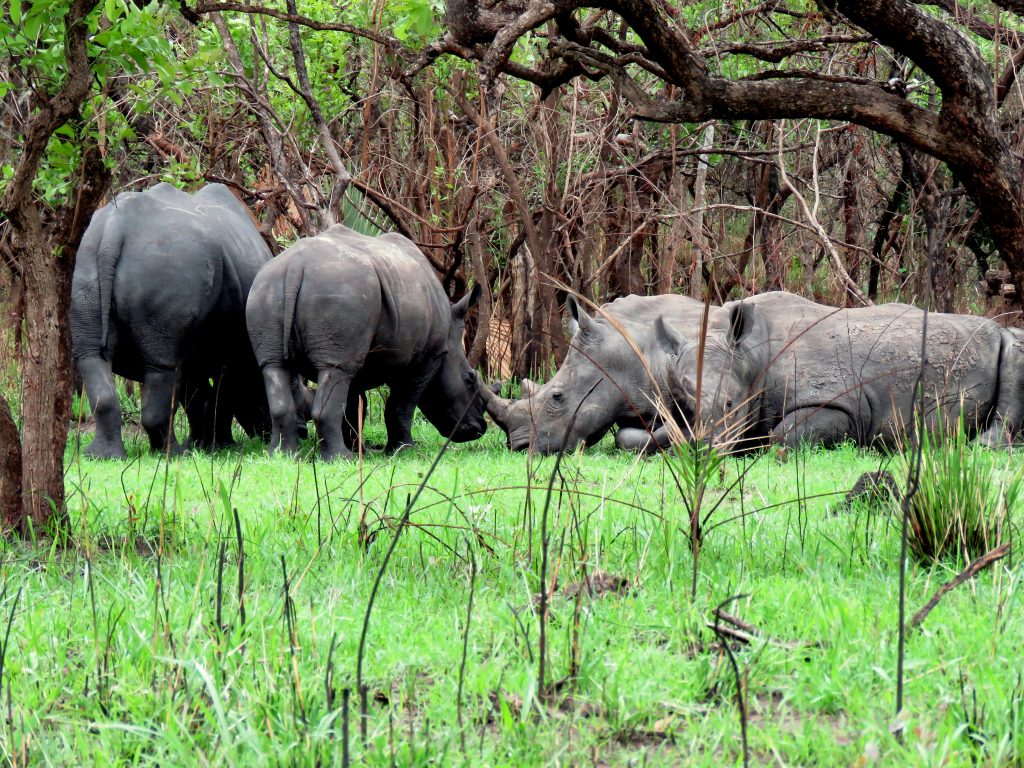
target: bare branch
304 21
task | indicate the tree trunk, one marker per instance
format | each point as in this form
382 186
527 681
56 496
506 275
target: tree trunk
851 206
881 240
46 369
10 469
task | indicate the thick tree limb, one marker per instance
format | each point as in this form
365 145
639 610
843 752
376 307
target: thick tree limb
777 52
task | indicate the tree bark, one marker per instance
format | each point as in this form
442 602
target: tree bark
46 253
10 469
46 366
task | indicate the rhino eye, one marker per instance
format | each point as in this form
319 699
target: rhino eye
469 377
556 396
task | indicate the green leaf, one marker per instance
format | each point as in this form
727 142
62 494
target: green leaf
33 23
16 12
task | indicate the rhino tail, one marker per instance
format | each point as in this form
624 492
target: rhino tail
107 256
292 283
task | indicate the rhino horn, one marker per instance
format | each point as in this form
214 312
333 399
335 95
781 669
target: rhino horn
529 388
498 407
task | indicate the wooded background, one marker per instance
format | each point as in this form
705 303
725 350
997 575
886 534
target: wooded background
848 151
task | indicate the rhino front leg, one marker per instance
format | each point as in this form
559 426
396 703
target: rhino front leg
332 386
209 417
98 380
401 405
355 417
642 440
817 425
303 400
159 398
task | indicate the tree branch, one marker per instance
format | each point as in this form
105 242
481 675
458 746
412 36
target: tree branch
304 21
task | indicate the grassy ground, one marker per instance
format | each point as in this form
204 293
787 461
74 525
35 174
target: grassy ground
130 647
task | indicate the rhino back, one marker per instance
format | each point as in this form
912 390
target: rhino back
645 310
866 361
344 299
160 270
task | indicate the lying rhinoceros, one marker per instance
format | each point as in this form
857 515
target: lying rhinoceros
353 312
158 296
614 374
780 368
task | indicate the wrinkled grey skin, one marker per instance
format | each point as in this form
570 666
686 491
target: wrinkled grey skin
158 296
602 381
782 369
353 312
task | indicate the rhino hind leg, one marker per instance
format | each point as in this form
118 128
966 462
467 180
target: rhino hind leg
98 381
159 396
282 401
816 425
329 404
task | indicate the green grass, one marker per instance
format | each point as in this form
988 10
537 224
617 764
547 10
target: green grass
115 657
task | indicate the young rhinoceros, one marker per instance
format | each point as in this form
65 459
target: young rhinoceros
614 374
353 312
779 368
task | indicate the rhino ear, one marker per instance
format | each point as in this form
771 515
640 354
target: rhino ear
741 322
579 320
461 307
667 336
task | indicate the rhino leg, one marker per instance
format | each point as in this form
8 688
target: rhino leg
303 400
159 395
355 409
817 425
642 440
401 405
98 380
209 416
1008 417
332 386
222 416
281 398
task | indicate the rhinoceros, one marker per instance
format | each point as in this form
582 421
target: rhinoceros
780 368
158 296
353 312
614 374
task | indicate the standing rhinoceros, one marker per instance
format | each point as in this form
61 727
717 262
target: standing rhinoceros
354 312
614 374
783 369
158 296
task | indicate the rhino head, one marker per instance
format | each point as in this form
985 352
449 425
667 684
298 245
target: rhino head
736 355
601 381
452 401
